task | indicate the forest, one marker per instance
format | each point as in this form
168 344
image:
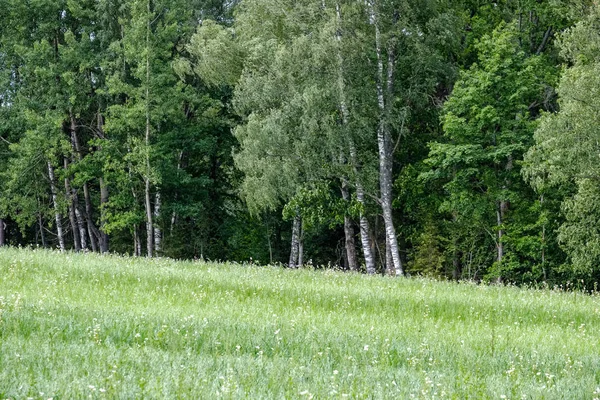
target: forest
458 139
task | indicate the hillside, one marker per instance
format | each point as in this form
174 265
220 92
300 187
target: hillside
75 326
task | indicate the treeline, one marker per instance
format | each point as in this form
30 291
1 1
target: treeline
453 138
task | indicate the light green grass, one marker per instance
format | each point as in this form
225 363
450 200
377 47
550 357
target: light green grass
87 326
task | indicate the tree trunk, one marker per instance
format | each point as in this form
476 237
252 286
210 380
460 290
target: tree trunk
349 232
59 227
42 233
80 224
2 234
295 242
137 242
360 194
502 206
543 242
92 231
70 204
149 226
103 204
157 231
103 236
365 233
301 248
384 143
389 261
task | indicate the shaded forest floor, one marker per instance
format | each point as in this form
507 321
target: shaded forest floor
83 325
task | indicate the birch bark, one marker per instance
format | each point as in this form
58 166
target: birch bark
70 203
360 194
147 203
384 141
58 219
157 231
295 250
92 231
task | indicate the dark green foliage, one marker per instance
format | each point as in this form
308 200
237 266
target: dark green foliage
222 122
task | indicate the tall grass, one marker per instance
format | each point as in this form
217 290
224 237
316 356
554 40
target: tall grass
88 326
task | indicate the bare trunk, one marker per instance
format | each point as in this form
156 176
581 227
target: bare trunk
173 222
157 231
363 222
42 233
294 252
543 242
137 243
349 232
149 226
365 233
2 234
389 262
270 246
103 236
70 203
103 240
301 248
59 227
80 224
502 206
92 231
385 144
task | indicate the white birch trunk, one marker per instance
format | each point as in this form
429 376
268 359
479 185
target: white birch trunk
149 227
384 143
365 237
147 203
71 210
80 224
157 231
58 219
92 231
137 242
365 233
295 246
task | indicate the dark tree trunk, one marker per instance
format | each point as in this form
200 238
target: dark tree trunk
42 233
103 204
295 245
2 233
349 232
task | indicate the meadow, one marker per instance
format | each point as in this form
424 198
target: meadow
89 326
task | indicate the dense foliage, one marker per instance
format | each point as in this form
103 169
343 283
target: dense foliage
450 138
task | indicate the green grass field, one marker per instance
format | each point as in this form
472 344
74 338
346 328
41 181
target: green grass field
87 326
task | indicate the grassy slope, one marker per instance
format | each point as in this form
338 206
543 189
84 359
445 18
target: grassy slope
74 325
